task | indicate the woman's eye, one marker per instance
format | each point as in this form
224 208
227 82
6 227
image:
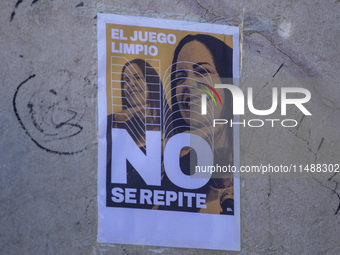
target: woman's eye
137 78
203 71
180 77
180 80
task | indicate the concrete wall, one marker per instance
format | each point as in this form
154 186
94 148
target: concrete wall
48 169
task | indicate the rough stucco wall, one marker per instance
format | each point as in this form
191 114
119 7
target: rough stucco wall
48 170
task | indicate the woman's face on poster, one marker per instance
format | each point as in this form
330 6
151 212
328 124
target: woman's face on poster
195 65
134 85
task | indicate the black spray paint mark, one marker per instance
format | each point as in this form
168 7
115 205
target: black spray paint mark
56 125
17 4
53 92
15 7
31 111
12 16
34 1
278 70
95 17
80 4
338 209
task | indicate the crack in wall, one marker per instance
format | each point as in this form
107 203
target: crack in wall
284 53
333 190
200 5
216 16
307 141
315 158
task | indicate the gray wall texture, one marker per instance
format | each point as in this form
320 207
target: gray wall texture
48 153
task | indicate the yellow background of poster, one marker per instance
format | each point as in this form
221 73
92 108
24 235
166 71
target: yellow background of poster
165 55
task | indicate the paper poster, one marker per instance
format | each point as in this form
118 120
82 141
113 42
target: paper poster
165 169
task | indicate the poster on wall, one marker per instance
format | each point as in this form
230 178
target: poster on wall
165 157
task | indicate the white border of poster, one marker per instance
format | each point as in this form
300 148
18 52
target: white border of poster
157 227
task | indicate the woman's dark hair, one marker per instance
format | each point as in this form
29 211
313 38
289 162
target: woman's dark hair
154 92
223 59
151 77
222 55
